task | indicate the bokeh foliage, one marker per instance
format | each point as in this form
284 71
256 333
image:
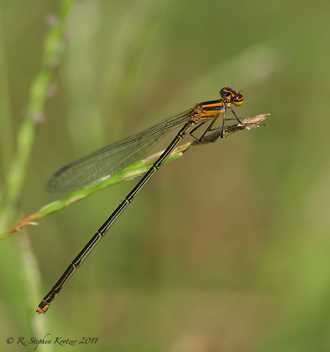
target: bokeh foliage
227 248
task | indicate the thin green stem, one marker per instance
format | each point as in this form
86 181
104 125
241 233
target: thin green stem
136 169
15 176
15 164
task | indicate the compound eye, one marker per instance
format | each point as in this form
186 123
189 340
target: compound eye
238 99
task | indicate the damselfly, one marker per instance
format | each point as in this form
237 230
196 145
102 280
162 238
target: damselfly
115 157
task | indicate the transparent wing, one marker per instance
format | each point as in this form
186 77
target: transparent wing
111 159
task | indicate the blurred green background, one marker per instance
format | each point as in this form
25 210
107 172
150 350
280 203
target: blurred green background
227 248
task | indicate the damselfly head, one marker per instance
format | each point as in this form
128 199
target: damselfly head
230 96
